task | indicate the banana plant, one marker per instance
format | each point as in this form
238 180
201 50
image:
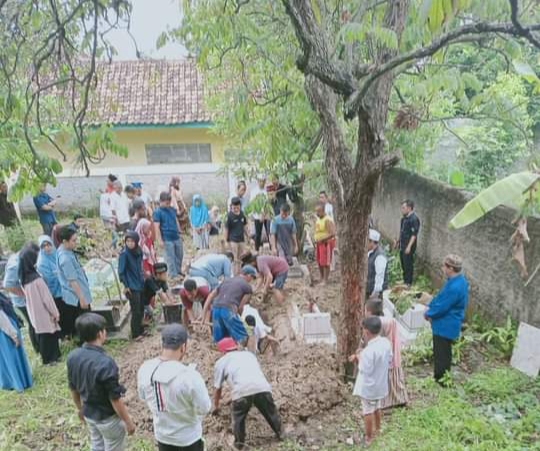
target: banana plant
517 191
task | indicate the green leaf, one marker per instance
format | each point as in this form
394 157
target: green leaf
508 191
316 10
526 71
162 40
457 178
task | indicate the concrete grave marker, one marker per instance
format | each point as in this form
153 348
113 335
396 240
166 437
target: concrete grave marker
526 357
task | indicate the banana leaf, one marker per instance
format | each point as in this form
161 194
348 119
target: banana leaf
510 191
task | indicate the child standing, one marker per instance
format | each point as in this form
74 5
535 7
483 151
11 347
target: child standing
283 234
130 272
325 242
372 380
236 229
397 391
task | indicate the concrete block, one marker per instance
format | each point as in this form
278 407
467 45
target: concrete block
413 318
526 357
317 328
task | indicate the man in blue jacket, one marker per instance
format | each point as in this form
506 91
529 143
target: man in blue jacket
446 313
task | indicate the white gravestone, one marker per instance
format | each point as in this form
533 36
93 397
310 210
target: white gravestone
526 357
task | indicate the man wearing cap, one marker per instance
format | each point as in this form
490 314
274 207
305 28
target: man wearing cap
228 302
377 279
248 386
446 313
175 393
144 196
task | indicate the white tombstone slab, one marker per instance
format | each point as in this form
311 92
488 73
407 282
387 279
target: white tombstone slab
526 357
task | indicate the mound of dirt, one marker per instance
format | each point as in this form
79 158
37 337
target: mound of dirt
304 378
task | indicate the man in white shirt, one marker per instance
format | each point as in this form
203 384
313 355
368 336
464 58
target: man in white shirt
377 279
371 384
328 207
120 207
249 387
175 394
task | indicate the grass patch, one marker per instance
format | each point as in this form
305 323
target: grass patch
44 417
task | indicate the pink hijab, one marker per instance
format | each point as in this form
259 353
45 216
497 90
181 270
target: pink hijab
390 331
142 229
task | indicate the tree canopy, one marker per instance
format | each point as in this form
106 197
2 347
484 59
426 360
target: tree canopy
48 66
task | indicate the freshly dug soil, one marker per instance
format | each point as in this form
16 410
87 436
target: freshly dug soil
304 379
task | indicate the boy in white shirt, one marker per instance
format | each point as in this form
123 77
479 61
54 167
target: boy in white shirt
175 394
372 380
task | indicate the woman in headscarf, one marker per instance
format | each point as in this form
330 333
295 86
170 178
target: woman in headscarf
177 202
397 392
15 373
146 243
47 266
198 215
42 310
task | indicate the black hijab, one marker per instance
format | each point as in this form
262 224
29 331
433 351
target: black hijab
27 264
135 237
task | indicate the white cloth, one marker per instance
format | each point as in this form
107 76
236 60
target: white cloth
105 207
120 205
254 193
261 330
242 372
178 399
380 270
375 361
329 210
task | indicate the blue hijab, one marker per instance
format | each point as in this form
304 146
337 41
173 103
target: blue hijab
48 267
198 214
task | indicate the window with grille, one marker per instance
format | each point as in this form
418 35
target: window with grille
178 153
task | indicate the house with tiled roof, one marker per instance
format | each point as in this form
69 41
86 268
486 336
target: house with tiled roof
156 109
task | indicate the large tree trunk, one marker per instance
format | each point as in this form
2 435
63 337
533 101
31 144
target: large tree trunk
352 220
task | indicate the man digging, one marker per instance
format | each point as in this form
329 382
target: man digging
248 387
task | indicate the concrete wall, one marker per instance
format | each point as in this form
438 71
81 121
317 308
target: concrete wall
496 286
80 192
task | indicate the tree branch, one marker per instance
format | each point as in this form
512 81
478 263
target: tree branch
458 35
315 58
524 32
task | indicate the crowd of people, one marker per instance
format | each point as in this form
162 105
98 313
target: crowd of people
48 286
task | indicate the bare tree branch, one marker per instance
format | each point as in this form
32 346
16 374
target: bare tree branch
524 32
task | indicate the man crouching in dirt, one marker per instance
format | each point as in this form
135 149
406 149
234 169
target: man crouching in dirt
249 387
175 394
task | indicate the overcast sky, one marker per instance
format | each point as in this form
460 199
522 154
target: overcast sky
149 19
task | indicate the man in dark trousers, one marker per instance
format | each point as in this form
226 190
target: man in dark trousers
242 372
377 280
408 237
446 313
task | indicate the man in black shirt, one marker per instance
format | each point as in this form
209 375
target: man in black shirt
408 236
157 285
95 388
236 230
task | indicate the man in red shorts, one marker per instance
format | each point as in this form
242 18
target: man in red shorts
190 293
325 241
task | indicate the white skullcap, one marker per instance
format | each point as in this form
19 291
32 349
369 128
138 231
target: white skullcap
374 235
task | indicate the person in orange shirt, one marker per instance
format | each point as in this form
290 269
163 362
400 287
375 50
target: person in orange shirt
325 241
